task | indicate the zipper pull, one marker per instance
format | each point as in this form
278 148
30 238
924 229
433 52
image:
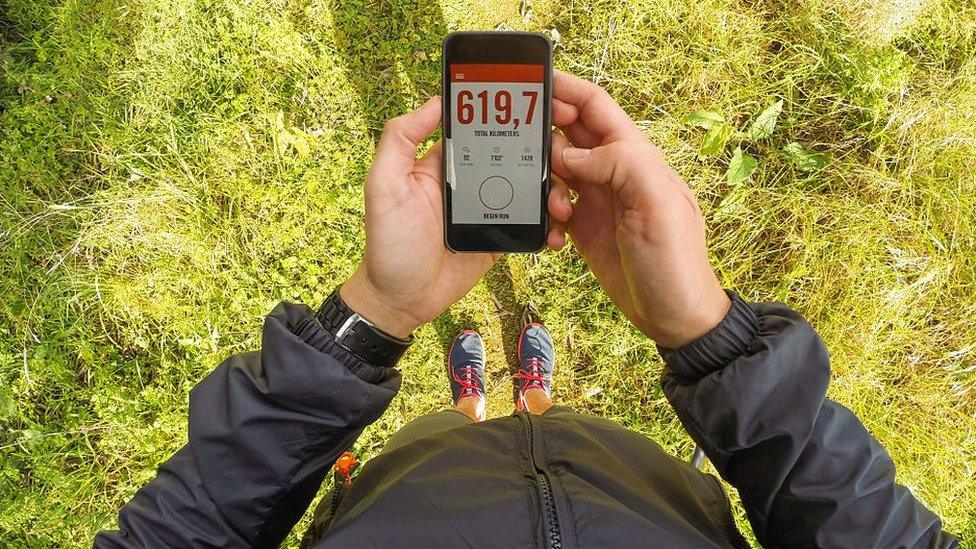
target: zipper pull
345 465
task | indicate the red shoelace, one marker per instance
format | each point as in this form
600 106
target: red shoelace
469 385
534 379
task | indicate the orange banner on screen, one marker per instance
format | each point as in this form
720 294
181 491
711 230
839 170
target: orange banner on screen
493 72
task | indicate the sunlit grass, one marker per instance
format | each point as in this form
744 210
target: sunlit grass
172 169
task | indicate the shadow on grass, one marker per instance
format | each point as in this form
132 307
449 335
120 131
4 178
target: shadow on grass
507 307
381 42
449 324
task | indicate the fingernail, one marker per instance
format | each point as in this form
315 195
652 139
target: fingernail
575 154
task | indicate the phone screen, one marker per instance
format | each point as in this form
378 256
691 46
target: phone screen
495 162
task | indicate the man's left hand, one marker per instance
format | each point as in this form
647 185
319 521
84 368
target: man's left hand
408 276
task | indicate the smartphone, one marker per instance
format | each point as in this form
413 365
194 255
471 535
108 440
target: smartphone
497 90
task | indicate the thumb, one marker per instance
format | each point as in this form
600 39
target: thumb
397 150
597 166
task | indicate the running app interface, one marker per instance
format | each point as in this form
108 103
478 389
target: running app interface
495 161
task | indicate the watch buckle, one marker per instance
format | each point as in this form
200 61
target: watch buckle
348 324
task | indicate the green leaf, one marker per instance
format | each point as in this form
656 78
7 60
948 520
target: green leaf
295 139
764 124
740 167
284 141
299 141
8 404
804 160
713 144
703 119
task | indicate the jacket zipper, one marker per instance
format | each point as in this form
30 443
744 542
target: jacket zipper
553 538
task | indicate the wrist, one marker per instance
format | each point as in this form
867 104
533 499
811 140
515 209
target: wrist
716 349
362 297
699 319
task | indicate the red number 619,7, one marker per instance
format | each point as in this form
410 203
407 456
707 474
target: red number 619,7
502 106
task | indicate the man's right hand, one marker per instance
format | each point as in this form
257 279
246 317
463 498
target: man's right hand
636 222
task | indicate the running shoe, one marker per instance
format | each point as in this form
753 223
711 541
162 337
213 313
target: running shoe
536 359
466 366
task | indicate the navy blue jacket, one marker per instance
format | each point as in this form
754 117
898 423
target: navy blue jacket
264 429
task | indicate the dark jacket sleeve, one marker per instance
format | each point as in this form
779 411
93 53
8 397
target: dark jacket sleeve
264 429
752 394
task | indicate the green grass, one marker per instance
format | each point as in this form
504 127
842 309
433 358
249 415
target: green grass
170 169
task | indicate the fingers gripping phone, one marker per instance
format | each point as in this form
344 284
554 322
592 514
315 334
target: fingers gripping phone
497 89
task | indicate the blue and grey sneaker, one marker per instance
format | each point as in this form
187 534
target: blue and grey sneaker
536 358
466 366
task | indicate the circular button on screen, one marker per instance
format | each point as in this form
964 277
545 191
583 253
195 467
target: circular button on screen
496 192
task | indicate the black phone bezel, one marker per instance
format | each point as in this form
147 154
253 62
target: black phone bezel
497 47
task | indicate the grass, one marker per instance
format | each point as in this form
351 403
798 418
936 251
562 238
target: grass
170 169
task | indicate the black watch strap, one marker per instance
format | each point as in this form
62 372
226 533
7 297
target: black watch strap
358 335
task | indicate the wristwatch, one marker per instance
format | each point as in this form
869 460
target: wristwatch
358 335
